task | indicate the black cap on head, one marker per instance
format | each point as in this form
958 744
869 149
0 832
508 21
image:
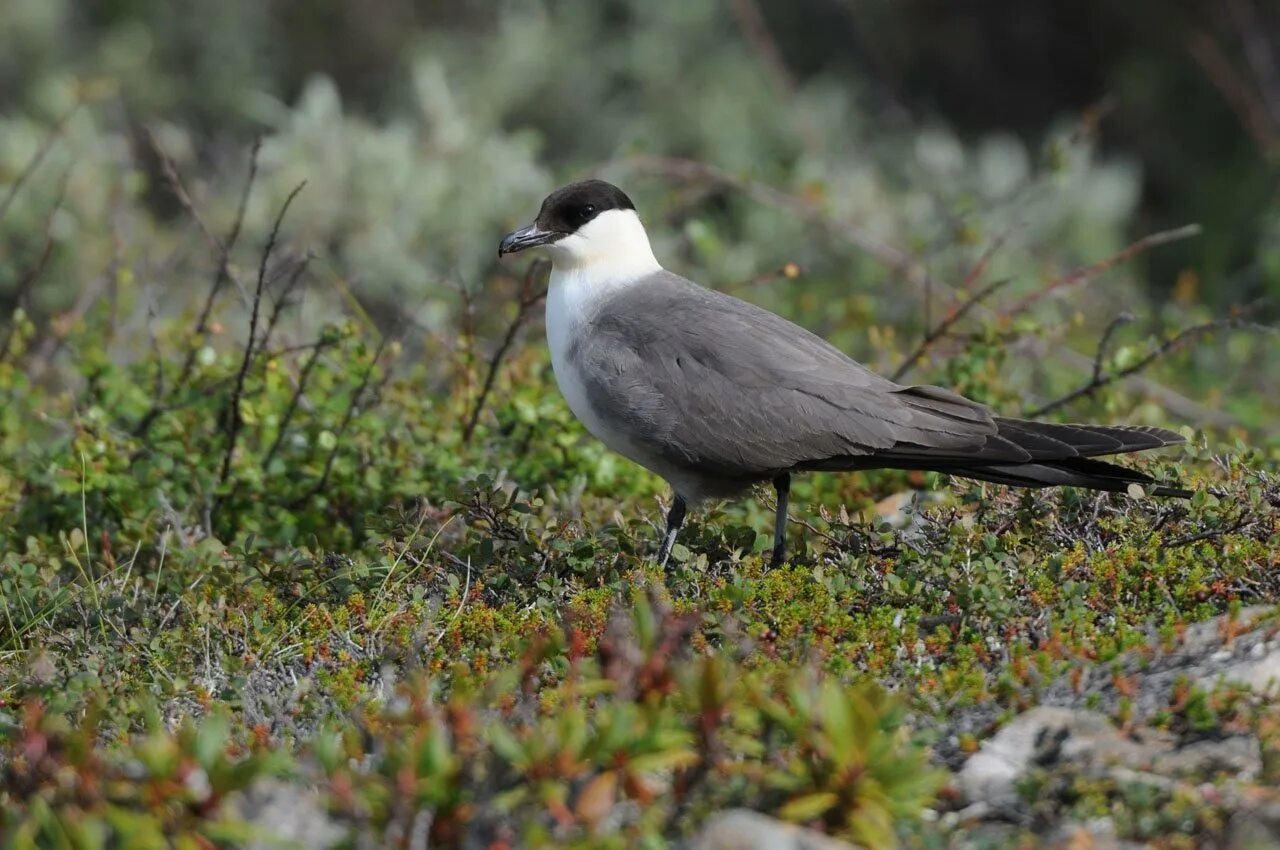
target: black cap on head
569 207
564 211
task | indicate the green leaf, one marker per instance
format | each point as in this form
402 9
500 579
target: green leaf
808 806
664 761
838 721
211 740
507 746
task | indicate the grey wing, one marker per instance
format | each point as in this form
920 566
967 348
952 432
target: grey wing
715 384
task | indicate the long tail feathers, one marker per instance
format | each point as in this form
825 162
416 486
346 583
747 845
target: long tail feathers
1023 453
1064 455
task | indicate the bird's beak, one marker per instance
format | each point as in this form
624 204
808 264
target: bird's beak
526 237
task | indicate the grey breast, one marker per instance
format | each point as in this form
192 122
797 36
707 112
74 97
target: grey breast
719 388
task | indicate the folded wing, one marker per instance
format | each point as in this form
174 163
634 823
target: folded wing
721 387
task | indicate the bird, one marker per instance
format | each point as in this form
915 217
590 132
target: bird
715 394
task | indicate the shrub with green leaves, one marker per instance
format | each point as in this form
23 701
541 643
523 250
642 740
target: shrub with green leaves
160 789
563 749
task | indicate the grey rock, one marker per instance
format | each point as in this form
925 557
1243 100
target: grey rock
287 816
986 836
741 829
1238 757
1086 742
1256 828
1097 834
1210 632
1260 674
1202 655
1252 660
1046 733
1070 735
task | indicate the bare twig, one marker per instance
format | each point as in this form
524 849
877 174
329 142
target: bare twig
223 273
1146 243
1259 53
978 269
693 170
467 338
299 391
403 325
530 296
1250 109
787 271
169 169
43 355
762 44
228 245
938 331
28 280
281 301
1171 345
1104 342
34 163
291 349
352 407
755 29
232 421
1242 523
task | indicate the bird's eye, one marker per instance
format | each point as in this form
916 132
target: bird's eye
586 211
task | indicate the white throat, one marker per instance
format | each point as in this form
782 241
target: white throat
609 253
612 247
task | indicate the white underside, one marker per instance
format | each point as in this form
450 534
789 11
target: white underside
570 306
609 253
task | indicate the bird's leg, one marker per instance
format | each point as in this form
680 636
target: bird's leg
675 519
782 486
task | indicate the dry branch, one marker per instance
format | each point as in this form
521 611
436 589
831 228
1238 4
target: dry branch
938 331
467 340
34 163
1104 342
352 407
298 392
29 278
530 296
1257 111
232 421
221 276
1171 345
764 47
787 271
226 246
281 301
1146 243
1259 54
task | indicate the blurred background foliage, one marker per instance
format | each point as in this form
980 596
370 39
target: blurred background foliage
888 149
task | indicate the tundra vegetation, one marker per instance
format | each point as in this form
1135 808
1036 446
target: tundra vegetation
292 510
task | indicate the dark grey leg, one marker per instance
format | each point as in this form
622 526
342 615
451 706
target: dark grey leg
782 486
675 519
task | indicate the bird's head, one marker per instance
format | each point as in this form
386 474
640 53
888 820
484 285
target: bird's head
587 224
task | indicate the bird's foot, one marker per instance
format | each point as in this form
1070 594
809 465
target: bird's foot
664 551
778 558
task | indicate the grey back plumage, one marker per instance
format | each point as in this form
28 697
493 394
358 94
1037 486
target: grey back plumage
718 388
